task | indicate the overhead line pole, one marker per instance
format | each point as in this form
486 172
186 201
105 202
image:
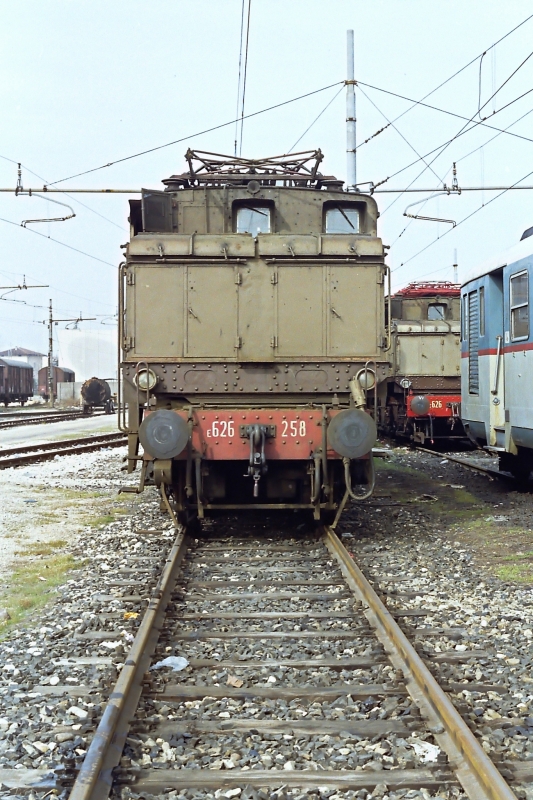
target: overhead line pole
351 167
51 321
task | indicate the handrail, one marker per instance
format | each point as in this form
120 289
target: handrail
494 389
121 411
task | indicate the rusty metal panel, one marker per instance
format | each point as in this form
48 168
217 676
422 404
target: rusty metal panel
272 244
256 311
211 308
296 433
300 311
428 354
160 246
228 245
353 307
156 210
339 244
157 290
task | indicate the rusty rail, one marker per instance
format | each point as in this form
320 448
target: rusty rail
95 776
490 471
478 775
32 454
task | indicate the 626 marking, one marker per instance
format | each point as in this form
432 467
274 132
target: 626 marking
223 429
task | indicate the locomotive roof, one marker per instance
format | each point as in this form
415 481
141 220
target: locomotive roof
214 169
430 289
10 362
521 250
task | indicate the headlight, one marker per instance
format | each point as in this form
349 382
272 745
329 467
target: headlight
352 433
420 405
145 379
366 378
163 434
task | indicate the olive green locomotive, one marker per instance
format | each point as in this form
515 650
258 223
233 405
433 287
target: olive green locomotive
253 338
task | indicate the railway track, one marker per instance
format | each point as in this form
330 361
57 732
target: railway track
41 419
298 677
490 471
32 454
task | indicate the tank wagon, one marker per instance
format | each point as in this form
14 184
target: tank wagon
252 334
424 392
16 381
59 375
497 357
96 393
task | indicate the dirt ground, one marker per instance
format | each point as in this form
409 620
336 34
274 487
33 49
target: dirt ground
492 519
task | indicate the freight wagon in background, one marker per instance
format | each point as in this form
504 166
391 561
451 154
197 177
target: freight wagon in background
497 357
16 381
252 328
424 392
59 375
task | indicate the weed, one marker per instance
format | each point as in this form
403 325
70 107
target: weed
30 585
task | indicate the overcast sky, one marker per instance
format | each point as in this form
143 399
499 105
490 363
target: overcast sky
85 82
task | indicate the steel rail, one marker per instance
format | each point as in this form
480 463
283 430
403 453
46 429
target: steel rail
476 467
43 419
94 780
478 775
18 456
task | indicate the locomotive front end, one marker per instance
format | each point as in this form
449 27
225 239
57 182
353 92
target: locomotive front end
253 340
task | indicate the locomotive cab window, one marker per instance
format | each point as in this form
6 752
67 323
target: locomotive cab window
253 219
342 219
437 311
519 291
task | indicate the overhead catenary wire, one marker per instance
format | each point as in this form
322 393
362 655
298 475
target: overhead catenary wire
466 188
469 216
245 73
57 241
65 192
408 143
445 111
316 118
458 72
198 133
461 131
239 82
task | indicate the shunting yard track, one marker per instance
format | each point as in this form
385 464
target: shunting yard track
45 417
490 471
214 594
32 454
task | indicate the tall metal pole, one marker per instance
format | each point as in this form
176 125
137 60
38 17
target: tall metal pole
350 117
50 374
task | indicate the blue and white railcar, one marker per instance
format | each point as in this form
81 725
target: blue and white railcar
497 357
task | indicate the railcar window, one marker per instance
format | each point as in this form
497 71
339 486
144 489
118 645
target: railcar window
519 287
482 311
342 219
253 219
437 311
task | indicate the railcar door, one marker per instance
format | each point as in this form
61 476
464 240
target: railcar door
473 342
492 338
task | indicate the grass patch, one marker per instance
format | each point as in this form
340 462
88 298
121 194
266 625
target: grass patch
452 504
30 585
104 520
41 548
517 573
